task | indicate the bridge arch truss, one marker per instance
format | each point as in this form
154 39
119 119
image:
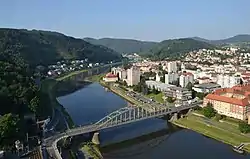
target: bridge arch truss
128 115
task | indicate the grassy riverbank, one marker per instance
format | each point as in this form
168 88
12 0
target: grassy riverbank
91 150
225 132
120 92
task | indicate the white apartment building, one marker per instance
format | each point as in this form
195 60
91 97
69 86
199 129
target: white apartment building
172 67
171 77
158 77
122 73
133 76
226 81
185 78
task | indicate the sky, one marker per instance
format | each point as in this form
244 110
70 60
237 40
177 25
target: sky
151 20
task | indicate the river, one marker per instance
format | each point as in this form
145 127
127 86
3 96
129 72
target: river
150 139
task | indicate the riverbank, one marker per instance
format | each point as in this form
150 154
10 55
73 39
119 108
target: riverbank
70 74
91 150
225 132
49 86
221 131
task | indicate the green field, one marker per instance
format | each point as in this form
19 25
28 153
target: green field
156 97
223 132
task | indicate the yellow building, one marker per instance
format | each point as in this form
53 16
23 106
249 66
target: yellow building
232 102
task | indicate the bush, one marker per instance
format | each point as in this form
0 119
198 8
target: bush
244 127
209 111
170 100
218 117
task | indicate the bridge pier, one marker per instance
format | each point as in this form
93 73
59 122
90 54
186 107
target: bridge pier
95 138
174 117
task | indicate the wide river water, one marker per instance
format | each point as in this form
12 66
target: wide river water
150 139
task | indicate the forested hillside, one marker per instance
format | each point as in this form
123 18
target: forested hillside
44 48
175 48
19 96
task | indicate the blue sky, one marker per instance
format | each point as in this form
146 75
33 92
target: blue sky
154 20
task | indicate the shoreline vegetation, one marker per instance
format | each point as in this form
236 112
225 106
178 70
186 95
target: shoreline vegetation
223 131
51 86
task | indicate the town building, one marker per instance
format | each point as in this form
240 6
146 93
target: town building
185 78
232 102
180 94
202 80
158 77
120 72
170 90
206 87
171 78
110 78
133 76
226 81
157 85
172 67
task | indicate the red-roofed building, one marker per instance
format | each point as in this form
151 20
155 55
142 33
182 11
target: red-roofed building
232 102
110 78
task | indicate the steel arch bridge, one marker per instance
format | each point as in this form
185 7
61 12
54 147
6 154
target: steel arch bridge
119 117
129 114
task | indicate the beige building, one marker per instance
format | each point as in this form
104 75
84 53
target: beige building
232 102
133 76
110 78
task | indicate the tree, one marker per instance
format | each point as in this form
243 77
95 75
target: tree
137 88
8 130
194 93
162 79
209 111
200 95
155 91
144 89
189 86
170 99
244 127
34 103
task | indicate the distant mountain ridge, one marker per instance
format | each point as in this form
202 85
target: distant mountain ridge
137 46
38 47
235 39
123 45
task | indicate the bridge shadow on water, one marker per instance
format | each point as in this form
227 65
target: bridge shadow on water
139 143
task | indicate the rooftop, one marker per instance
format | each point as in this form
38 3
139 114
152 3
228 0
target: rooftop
207 85
236 90
110 75
241 102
